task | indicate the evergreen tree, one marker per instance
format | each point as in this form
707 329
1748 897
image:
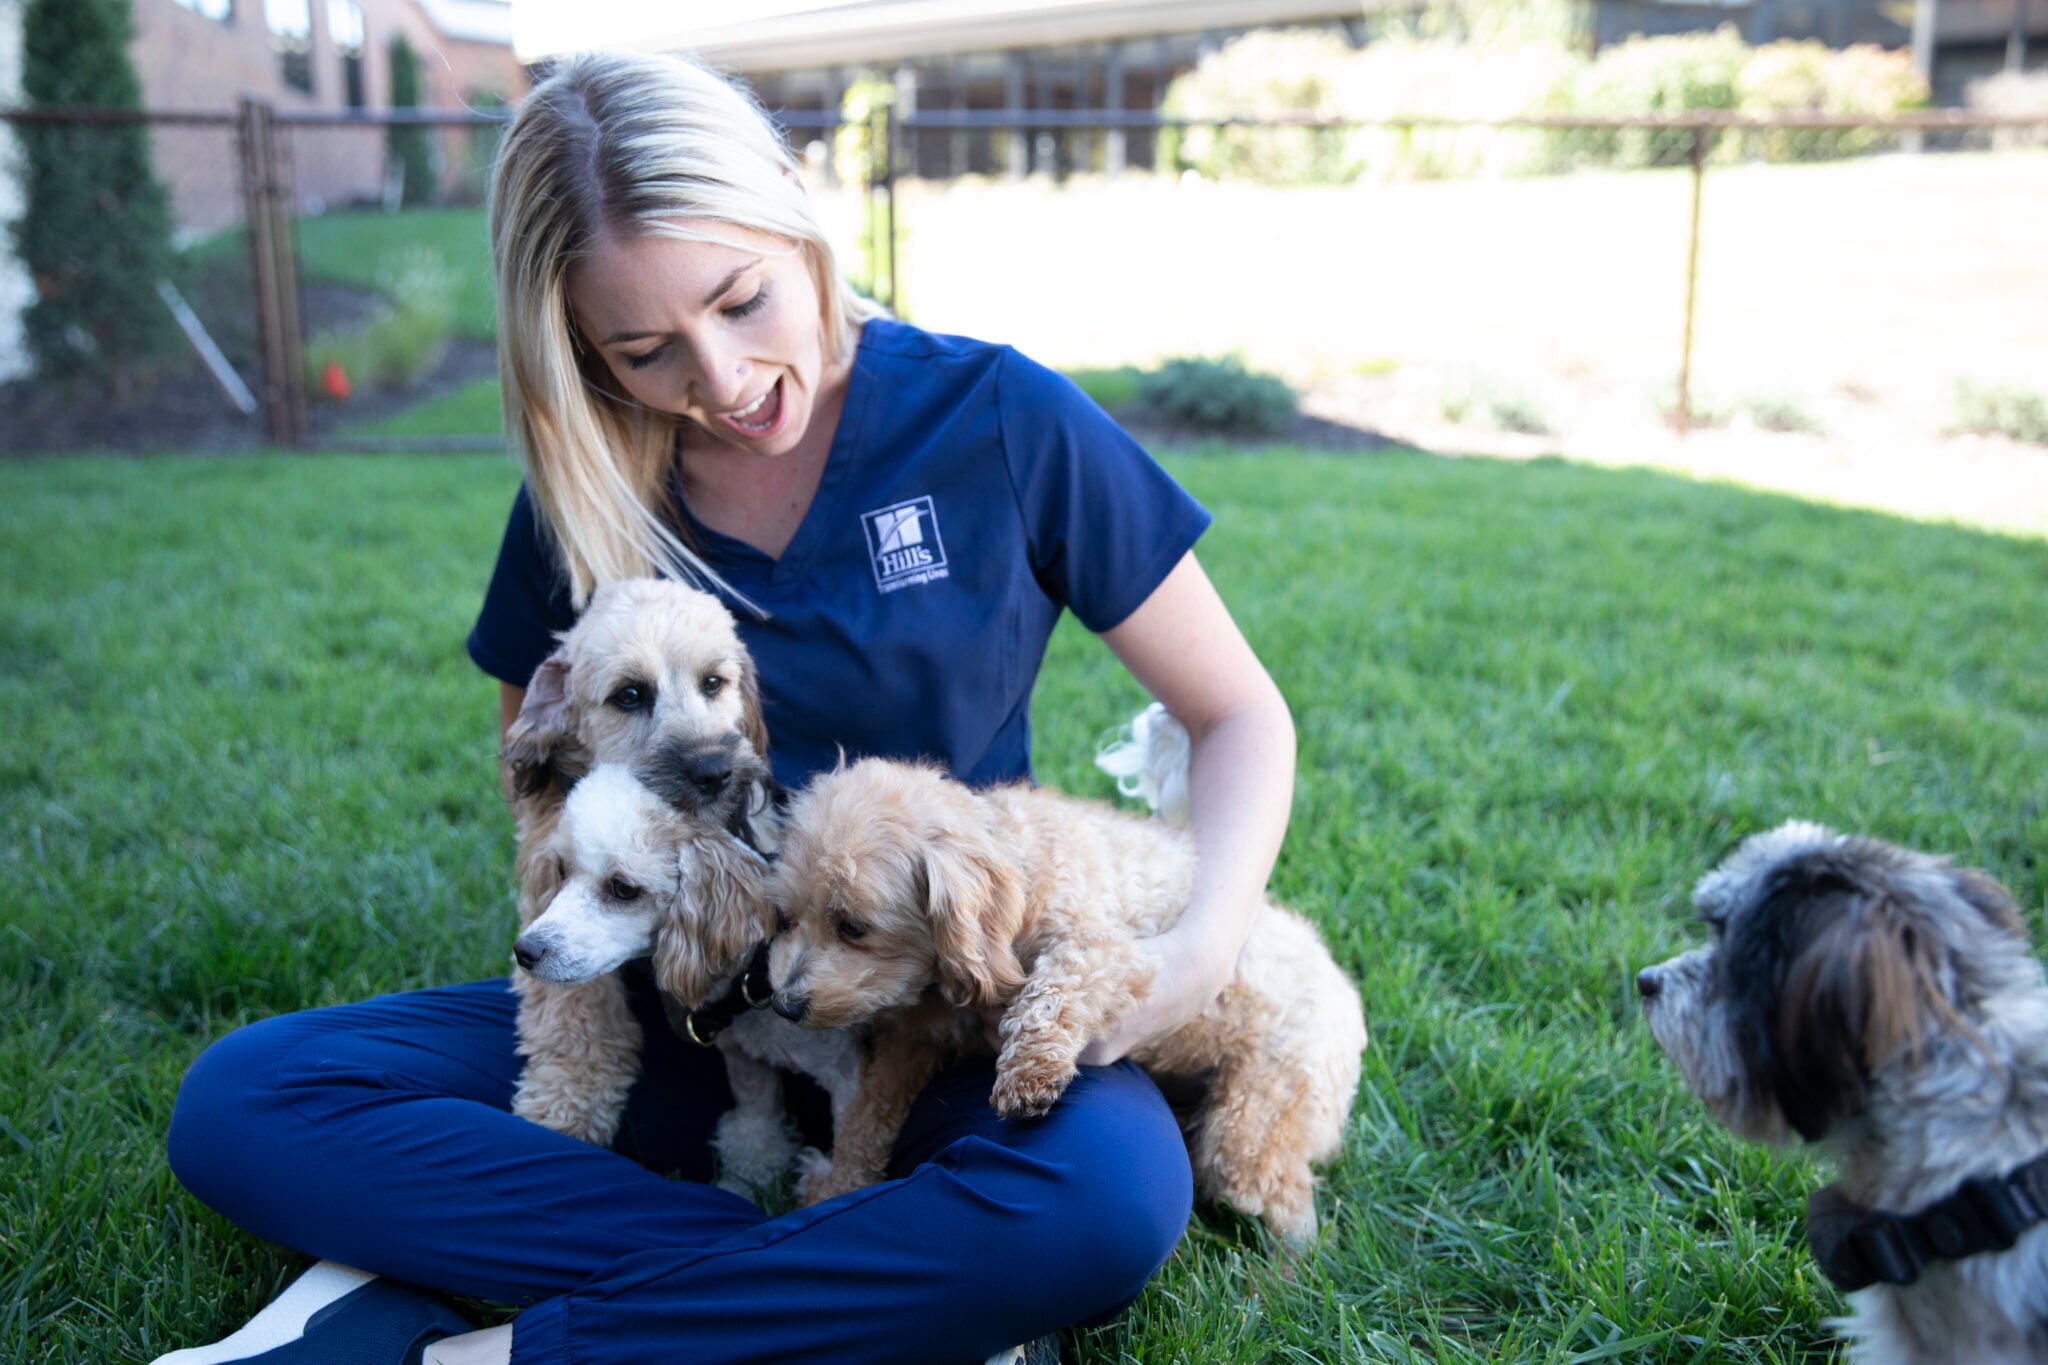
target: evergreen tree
96 231
409 146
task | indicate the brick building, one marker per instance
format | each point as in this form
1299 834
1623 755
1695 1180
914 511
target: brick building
325 55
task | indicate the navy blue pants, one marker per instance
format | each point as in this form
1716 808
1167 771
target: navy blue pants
380 1135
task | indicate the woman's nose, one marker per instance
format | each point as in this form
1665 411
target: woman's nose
719 377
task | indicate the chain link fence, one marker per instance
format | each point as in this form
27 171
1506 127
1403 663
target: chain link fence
1430 280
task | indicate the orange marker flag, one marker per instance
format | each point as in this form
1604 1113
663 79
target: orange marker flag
334 381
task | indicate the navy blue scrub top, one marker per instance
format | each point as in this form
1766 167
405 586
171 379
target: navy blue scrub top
970 494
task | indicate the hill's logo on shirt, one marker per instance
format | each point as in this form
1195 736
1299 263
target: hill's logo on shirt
903 541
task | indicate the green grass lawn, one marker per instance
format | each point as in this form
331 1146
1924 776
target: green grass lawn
246 768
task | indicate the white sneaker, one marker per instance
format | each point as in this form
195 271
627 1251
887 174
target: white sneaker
334 1315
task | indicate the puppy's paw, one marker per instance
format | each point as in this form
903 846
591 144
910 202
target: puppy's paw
823 1178
1027 1092
813 1169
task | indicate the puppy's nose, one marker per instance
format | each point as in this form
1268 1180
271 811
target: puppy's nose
793 1007
689 775
1647 983
708 771
528 955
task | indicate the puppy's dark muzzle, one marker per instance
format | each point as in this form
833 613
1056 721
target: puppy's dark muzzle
793 1007
691 777
1648 984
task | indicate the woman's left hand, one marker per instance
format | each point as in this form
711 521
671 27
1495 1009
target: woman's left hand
1185 981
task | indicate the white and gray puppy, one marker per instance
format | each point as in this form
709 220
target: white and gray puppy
643 874
1885 1006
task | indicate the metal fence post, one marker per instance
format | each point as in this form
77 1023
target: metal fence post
276 277
890 129
1692 278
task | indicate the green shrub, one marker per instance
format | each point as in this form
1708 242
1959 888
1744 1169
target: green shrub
96 232
1111 389
1498 410
409 148
1397 76
2018 413
479 147
1267 73
1666 76
1217 395
1778 413
860 149
1811 78
407 335
2017 94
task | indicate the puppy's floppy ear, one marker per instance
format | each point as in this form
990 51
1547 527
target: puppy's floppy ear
1989 899
718 916
1828 980
752 724
975 899
534 739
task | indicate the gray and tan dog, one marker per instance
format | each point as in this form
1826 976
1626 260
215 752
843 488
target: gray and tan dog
1885 1006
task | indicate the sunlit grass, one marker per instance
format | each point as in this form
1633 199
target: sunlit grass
246 768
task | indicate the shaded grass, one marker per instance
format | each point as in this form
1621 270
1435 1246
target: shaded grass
357 246
246 768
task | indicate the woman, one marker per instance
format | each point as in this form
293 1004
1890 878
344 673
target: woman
898 519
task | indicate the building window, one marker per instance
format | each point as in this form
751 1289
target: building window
345 29
291 33
220 11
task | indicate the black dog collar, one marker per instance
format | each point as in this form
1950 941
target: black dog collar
750 991
1858 1247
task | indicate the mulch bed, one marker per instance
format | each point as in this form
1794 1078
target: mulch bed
182 408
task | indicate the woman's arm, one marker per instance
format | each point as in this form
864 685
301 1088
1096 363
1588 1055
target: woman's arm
1183 647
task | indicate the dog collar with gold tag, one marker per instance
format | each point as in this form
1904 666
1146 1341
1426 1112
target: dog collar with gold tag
1857 1247
750 991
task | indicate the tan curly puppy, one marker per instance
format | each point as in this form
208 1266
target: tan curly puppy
895 878
652 676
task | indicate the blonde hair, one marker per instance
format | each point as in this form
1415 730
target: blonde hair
610 145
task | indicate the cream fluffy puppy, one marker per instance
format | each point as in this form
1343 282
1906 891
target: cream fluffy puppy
895 879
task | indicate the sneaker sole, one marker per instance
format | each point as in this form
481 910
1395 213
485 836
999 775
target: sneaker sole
282 1322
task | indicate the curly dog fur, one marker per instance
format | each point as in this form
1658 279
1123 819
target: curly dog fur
644 807
895 878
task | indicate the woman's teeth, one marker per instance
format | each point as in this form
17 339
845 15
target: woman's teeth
763 413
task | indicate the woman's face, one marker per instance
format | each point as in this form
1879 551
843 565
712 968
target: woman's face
727 333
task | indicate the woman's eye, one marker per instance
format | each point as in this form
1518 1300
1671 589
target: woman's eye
712 685
631 697
619 889
852 930
751 306
644 358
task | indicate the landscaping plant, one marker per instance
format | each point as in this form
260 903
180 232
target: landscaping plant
95 234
